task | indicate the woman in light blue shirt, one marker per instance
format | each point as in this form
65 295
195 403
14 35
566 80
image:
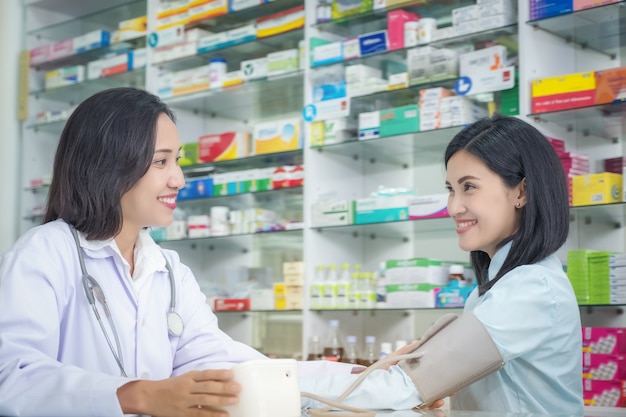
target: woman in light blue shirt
509 200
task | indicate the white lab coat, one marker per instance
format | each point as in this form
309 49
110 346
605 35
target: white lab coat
55 360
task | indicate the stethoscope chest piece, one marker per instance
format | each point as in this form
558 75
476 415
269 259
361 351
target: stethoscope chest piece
174 324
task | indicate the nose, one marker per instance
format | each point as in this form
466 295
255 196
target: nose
177 179
455 205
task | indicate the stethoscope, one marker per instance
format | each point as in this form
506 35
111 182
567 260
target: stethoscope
93 290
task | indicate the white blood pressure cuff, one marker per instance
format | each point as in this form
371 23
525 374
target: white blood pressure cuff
456 351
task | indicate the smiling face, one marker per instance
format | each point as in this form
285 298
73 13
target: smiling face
484 209
152 200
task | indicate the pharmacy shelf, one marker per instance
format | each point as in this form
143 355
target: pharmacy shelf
254 100
403 230
93 54
383 310
38 189
242 17
372 20
48 127
591 411
74 94
608 215
400 150
251 162
281 239
599 28
283 201
235 54
86 17
603 121
505 36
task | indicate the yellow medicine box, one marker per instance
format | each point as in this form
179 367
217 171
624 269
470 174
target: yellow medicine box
568 83
603 188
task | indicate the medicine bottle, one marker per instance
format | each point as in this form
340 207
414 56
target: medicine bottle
315 349
351 355
456 274
369 353
333 350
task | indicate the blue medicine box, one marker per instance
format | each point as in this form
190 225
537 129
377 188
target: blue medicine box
540 9
372 43
196 188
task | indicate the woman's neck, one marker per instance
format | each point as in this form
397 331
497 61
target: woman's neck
125 241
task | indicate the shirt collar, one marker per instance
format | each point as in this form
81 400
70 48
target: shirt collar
145 247
498 260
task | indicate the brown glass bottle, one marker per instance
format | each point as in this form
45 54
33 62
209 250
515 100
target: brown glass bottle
333 351
315 349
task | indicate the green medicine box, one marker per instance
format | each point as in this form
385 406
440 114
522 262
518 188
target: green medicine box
399 120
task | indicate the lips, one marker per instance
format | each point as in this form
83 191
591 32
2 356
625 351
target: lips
169 201
464 225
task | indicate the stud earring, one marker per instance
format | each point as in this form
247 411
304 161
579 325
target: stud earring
517 204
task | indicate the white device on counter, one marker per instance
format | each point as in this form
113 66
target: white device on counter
269 388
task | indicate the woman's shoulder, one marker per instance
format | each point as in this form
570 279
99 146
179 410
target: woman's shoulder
51 236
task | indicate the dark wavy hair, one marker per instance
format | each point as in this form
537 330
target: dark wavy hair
515 150
106 146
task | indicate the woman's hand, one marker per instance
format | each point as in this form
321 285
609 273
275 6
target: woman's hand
194 393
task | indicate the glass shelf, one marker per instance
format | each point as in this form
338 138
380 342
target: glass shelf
592 120
237 53
382 310
253 100
76 93
93 54
406 229
410 149
601 305
85 19
48 127
398 230
372 20
285 311
598 28
288 239
505 36
260 194
38 189
251 162
241 17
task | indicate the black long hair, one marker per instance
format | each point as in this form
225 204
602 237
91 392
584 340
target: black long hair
107 145
515 151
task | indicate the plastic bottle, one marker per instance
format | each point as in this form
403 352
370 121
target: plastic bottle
315 349
456 275
351 355
385 349
381 286
367 291
369 352
343 287
316 287
217 70
330 287
333 350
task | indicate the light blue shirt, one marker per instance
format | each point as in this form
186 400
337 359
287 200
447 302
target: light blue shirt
532 315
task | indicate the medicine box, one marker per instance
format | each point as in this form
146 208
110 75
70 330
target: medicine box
604 367
587 4
327 53
196 188
253 69
395 27
452 295
342 8
188 154
282 62
381 209
604 393
372 43
223 146
91 40
428 206
332 213
563 92
399 120
603 188
61 49
605 340
540 9
277 136
236 5
284 21
369 125
205 9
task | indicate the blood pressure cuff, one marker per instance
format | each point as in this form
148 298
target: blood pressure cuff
456 351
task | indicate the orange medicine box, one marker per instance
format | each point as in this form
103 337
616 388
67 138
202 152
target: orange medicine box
223 146
603 188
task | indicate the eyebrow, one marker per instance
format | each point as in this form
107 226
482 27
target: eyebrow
167 150
463 179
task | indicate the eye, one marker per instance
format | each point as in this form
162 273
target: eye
160 162
178 159
449 188
468 186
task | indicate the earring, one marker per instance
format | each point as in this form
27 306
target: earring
517 204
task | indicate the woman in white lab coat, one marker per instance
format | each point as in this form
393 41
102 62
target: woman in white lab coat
152 346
